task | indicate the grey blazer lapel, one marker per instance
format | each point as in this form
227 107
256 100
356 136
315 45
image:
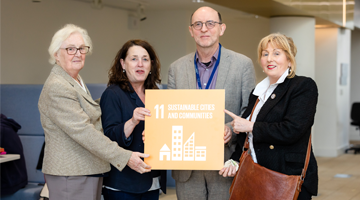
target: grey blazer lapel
223 69
190 72
86 94
60 71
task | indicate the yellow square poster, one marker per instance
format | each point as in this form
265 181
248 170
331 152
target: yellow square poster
185 130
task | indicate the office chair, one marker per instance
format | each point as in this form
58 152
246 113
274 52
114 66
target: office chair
355 117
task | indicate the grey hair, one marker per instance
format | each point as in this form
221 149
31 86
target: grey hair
61 35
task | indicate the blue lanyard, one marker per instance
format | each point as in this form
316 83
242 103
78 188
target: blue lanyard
212 73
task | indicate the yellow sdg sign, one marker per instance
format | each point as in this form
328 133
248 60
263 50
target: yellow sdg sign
185 130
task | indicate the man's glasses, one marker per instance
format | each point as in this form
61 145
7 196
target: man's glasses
209 24
73 50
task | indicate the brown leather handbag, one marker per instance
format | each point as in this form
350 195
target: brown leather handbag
255 182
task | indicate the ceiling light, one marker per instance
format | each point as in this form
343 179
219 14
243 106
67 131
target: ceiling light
198 1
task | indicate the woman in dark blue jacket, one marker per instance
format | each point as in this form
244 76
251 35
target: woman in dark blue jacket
284 111
136 68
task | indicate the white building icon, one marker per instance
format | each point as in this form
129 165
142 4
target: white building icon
177 138
190 151
189 148
165 151
200 153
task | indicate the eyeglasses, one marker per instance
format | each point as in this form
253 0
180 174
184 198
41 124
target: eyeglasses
73 50
209 24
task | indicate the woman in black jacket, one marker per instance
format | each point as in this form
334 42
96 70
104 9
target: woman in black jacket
136 68
285 106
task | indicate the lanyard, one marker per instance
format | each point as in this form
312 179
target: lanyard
212 73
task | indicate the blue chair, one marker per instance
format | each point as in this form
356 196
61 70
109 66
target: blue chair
20 102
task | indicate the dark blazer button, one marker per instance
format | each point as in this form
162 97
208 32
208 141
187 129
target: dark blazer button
271 147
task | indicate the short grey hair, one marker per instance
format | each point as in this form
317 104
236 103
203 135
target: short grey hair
62 34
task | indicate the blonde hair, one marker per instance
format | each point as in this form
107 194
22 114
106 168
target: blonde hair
283 42
62 34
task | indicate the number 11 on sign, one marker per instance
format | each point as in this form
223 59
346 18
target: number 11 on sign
161 109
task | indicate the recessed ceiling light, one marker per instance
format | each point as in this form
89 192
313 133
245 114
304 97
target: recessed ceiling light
198 1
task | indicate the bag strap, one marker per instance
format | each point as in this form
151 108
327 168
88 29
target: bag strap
246 143
307 159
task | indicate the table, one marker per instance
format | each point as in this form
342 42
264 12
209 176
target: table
9 157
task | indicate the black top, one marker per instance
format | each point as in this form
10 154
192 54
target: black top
13 173
117 107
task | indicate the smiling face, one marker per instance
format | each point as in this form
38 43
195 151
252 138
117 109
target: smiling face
206 38
137 64
274 62
72 64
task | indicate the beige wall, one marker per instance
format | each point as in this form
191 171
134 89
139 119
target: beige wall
26 32
167 32
243 36
343 91
27 29
332 115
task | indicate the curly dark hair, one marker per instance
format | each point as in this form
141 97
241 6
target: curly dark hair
118 77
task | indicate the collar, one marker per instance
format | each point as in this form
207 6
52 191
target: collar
265 84
135 97
57 69
213 58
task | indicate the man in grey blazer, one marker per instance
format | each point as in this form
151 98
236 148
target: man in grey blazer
211 67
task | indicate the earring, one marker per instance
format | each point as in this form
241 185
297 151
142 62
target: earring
123 70
150 72
289 70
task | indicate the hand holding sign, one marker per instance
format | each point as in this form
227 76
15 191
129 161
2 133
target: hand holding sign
227 134
137 164
240 124
139 115
229 171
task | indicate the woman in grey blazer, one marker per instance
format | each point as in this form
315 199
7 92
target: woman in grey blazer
77 153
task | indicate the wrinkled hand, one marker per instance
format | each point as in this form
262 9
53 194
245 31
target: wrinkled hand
240 124
227 134
228 171
139 115
137 164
